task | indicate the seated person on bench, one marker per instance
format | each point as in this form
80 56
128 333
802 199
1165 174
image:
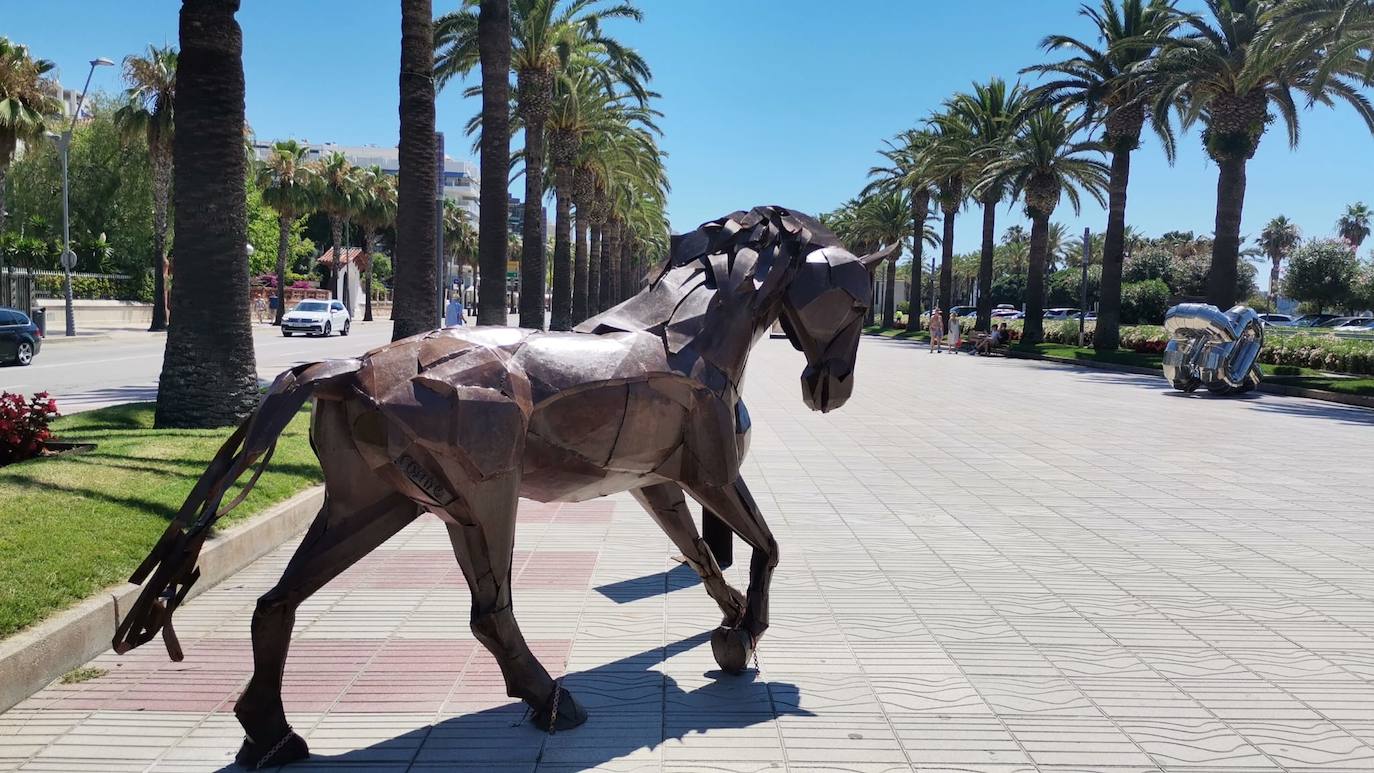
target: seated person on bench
997 337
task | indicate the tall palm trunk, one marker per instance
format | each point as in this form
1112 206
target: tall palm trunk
579 297
561 317
610 265
1034 329
947 262
336 235
890 301
1222 279
627 266
209 373
283 247
369 246
1274 282
920 205
416 219
160 159
1107 334
984 319
534 93
594 269
6 149
493 43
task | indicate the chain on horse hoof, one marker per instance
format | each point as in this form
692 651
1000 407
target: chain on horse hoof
289 748
733 647
563 713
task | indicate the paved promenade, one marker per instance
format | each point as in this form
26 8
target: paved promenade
989 566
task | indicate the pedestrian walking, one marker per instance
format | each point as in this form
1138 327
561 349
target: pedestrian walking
937 330
956 335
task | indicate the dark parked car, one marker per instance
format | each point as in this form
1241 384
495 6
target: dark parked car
1314 320
19 337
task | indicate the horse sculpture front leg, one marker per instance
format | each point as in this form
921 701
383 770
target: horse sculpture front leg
668 507
733 647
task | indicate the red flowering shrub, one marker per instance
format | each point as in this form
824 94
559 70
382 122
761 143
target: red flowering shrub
24 425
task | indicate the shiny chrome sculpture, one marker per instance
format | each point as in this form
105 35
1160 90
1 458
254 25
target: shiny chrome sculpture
462 422
1213 349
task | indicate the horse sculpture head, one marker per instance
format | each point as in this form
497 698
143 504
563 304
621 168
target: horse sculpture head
823 312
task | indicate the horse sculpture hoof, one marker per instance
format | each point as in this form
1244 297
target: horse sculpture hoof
733 648
570 713
290 748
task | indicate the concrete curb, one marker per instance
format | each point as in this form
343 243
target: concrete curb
1358 401
33 658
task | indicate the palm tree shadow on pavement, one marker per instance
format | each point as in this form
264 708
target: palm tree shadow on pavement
631 707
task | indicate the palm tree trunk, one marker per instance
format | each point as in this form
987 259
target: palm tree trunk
416 219
335 234
627 268
890 301
1107 334
1221 280
283 247
4 176
161 162
610 245
533 265
209 373
920 205
1034 329
493 43
579 298
984 319
1274 282
594 270
561 317
369 237
947 265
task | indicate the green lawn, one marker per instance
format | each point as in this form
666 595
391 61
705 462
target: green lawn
1306 378
77 523
900 333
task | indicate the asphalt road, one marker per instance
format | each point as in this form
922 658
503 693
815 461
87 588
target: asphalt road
122 366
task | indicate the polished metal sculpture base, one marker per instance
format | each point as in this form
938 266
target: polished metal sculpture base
1213 349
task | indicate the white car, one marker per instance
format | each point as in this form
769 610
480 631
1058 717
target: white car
1061 313
316 318
1277 320
1355 324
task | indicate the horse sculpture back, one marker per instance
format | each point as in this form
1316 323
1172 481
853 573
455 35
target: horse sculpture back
463 422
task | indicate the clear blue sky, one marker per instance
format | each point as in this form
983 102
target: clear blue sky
765 102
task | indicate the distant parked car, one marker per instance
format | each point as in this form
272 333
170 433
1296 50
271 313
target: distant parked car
1313 320
1062 313
1277 320
1352 323
1006 313
20 339
316 318
1334 321
963 311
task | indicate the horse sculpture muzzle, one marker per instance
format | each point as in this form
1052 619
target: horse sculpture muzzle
1213 349
822 389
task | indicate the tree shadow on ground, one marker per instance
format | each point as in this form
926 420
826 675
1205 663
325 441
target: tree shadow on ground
630 707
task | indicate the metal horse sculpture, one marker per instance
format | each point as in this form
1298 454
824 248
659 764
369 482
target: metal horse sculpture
1213 349
461 423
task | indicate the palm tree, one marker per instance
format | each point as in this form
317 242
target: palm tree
1228 70
907 169
1353 226
950 160
990 112
544 33
290 187
412 300
375 211
147 115
1101 82
27 100
1044 162
209 374
460 237
339 195
1277 241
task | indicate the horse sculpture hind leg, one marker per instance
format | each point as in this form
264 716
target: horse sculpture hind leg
732 503
483 538
360 512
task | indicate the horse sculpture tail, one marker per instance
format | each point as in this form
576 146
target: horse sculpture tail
172 562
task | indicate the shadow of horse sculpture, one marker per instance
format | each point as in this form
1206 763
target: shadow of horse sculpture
635 707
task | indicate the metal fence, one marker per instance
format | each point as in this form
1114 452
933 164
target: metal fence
17 288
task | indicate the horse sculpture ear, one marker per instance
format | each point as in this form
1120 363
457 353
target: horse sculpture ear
872 259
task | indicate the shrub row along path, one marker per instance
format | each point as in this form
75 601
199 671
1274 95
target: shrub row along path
122 366
987 565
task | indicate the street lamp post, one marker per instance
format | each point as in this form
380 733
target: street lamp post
64 144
